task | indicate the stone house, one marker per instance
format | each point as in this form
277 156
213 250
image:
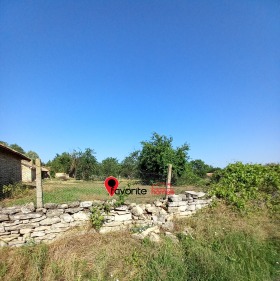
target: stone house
10 165
29 171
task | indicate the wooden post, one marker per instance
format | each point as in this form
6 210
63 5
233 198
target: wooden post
168 182
39 190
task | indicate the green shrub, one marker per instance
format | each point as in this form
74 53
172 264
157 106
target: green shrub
96 217
16 190
240 183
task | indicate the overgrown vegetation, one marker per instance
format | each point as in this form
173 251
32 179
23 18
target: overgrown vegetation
96 217
248 185
16 190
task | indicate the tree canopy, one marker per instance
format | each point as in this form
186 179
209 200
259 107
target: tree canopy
155 156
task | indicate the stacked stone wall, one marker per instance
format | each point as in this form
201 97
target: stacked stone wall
21 224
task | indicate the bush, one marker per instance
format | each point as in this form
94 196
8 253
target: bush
240 183
96 217
16 190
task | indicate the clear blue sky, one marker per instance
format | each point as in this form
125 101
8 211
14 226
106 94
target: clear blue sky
106 74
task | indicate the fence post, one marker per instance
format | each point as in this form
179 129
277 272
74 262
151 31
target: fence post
168 182
39 190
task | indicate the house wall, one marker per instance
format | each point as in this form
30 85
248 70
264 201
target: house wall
28 173
10 168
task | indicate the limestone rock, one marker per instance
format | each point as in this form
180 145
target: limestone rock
54 213
62 206
50 206
152 210
28 208
81 216
154 237
25 230
21 216
174 198
121 208
38 234
123 217
169 225
158 203
86 204
74 204
49 221
11 210
137 211
4 218
73 210
66 218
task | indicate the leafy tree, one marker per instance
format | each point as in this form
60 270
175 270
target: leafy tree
155 156
61 163
32 155
129 166
200 168
4 143
86 165
110 167
17 148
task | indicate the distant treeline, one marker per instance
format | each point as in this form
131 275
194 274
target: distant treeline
149 164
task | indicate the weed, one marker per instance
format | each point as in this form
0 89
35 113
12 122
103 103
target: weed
96 217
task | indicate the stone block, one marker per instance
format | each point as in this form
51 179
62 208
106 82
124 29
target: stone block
50 206
74 204
54 213
25 216
38 219
173 209
86 204
62 206
191 208
4 218
66 218
123 217
105 229
38 234
185 214
73 210
169 225
154 237
152 210
198 206
11 210
42 227
174 198
60 225
28 208
113 223
121 208
25 230
81 216
49 221
182 208
137 211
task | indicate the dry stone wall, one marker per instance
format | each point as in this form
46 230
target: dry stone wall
22 224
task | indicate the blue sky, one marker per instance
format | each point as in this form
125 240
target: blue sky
107 74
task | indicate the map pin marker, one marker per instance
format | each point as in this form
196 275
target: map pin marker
111 185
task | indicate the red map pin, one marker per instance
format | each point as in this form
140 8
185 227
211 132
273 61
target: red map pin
111 185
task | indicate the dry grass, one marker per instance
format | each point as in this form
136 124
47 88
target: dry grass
84 255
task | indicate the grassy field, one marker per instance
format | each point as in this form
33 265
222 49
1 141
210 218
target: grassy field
222 245
56 191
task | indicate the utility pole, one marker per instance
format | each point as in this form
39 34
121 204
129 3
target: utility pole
39 189
168 181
